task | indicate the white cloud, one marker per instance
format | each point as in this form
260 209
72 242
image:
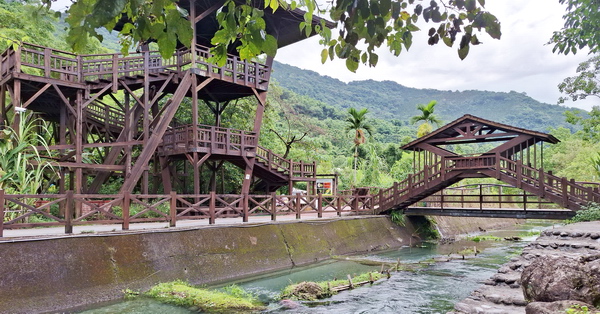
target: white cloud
520 61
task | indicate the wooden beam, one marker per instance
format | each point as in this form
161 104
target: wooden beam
209 11
98 94
79 165
36 95
65 100
203 84
156 137
162 88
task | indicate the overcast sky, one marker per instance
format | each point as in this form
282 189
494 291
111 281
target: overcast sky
520 61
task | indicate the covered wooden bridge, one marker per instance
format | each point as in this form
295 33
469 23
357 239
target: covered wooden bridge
516 160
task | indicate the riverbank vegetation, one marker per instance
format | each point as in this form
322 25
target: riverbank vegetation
311 291
591 212
180 293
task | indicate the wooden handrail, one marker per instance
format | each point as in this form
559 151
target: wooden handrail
66 66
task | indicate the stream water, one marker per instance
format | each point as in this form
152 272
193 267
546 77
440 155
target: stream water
430 289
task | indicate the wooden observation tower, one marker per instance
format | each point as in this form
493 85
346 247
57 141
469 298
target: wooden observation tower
122 108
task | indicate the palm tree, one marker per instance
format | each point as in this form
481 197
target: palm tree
428 117
357 122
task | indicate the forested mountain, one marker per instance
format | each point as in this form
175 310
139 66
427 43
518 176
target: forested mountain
392 101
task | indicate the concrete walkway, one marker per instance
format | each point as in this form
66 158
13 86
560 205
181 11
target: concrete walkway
28 234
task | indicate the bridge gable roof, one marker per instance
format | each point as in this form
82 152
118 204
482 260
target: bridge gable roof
471 129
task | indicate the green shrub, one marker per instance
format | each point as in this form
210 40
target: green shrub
591 212
398 218
311 291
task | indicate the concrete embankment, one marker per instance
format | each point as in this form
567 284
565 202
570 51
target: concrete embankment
57 273
453 226
552 267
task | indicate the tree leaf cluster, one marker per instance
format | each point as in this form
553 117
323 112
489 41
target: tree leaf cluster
580 30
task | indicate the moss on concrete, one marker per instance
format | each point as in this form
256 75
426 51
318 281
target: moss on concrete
59 273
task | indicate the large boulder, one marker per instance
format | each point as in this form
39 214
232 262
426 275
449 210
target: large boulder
557 278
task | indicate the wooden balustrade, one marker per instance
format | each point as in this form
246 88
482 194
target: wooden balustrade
207 138
53 63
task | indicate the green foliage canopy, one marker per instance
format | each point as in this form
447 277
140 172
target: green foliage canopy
365 25
583 85
582 21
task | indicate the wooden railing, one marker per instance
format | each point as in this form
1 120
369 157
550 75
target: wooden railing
567 193
231 142
208 138
485 196
69 209
293 169
559 189
105 115
243 72
53 63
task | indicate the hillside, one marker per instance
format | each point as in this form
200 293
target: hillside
392 101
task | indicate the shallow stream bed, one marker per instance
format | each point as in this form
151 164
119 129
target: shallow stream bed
434 288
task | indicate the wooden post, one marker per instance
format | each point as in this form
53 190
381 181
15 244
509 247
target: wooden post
126 203
524 200
320 205
443 168
500 197
396 196
519 174
245 207
1 213
442 200
211 208
297 206
426 176
69 212
480 197
498 165
115 73
47 55
410 188
350 282
380 201
338 200
273 206
565 200
541 180
355 201
173 209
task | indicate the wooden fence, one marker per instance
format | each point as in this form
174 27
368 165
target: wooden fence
69 209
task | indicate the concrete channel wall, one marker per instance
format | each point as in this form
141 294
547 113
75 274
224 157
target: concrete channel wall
52 274
59 273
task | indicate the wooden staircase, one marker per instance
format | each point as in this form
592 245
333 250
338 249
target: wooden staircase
567 193
272 169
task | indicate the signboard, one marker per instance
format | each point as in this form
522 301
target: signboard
325 186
